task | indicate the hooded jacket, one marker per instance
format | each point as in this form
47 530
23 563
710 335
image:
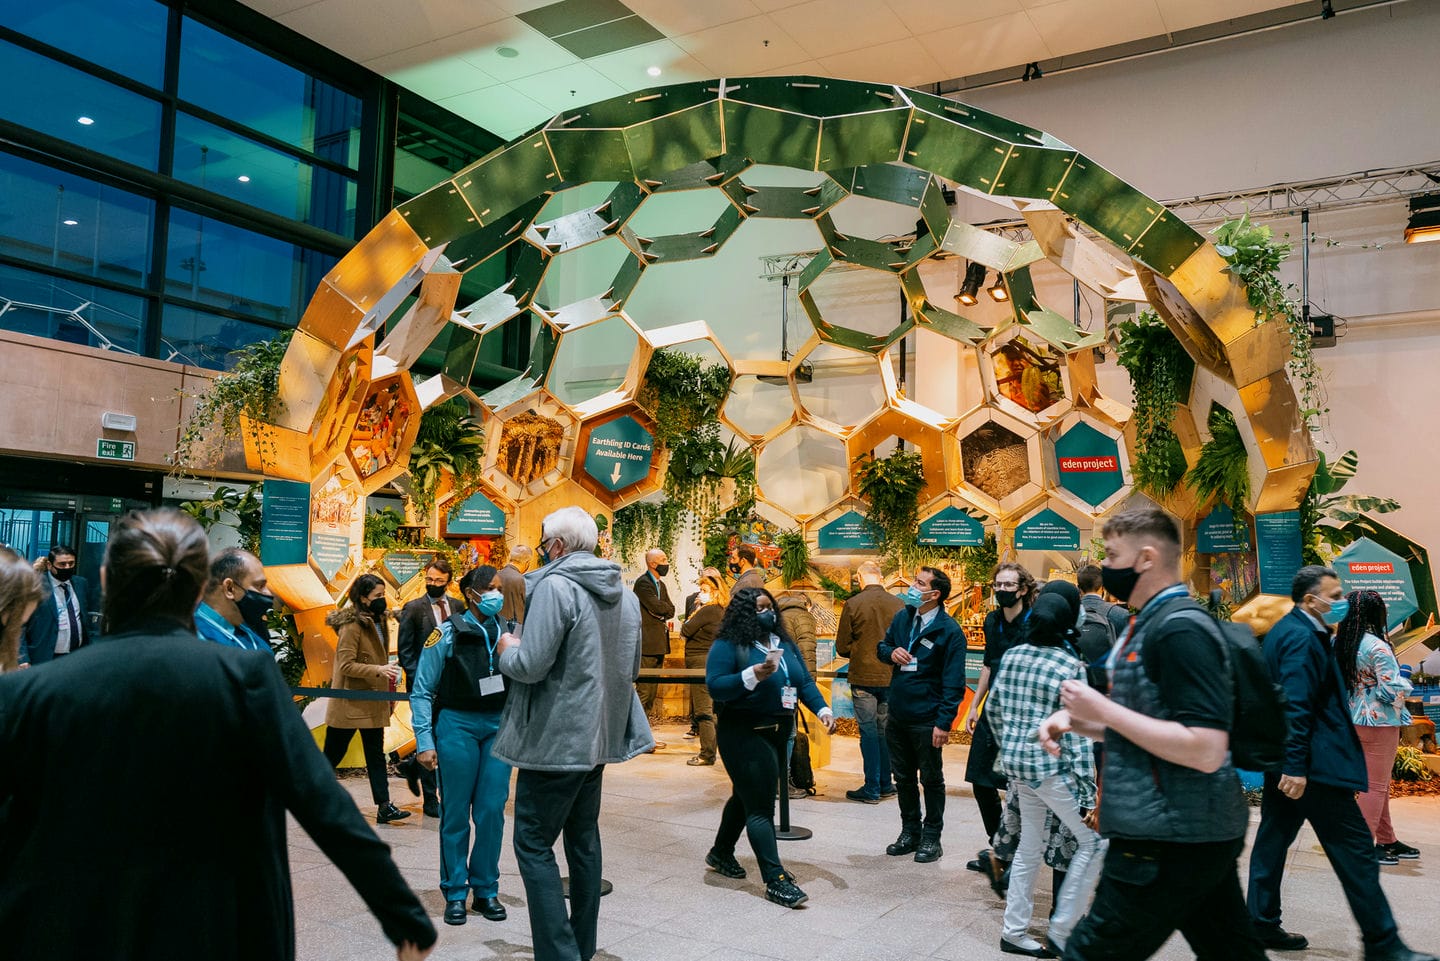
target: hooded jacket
361 654
800 625
572 704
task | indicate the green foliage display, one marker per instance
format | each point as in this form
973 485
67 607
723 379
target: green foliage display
1223 467
892 486
286 641
841 592
250 387
1410 765
449 440
1329 520
243 505
794 556
382 526
683 394
644 525
1160 372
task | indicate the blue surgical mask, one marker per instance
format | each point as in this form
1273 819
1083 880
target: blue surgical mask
1337 612
490 603
913 597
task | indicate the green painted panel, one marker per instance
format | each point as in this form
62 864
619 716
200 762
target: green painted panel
460 354
860 139
509 178
492 310
643 105
530 266
625 280
950 324
817 265
670 142
1022 293
469 250
812 96
983 121
707 173
544 339
789 203
1034 172
831 193
574 230
1106 204
1167 244
845 336
771 136
726 224
957 153
871 253
738 193
1060 332
893 182
591 155
676 247
438 215
934 211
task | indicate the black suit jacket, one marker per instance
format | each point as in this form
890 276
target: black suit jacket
215 883
1323 745
37 643
417 621
655 609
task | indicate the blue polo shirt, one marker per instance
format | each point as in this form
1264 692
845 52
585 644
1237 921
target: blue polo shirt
212 627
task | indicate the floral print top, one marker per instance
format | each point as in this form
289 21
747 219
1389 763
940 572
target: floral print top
1379 698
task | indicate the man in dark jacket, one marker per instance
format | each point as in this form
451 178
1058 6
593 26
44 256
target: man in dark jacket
799 623
927 684
746 568
863 622
656 609
512 584
1323 768
61 622
418 620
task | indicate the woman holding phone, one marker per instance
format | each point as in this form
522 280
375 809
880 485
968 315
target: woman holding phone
757 677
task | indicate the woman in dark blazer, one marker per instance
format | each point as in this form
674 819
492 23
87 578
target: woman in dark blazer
756 676
213 881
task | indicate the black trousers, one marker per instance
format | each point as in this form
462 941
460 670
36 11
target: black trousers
751 747
428 782
1347 841
912 751
372 740
549 804
1150 889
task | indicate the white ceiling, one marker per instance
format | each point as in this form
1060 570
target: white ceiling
446 50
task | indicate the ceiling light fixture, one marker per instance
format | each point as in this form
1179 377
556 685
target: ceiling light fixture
243 178
1424 224
969 291
999 292
653 71
84 121
70 223
1032 72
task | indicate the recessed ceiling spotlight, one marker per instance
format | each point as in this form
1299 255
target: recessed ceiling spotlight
653 71
243 178
84 121
70 223
509 53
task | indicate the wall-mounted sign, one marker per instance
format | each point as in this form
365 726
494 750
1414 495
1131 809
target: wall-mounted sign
475 515
1277 542
330 552
952 527
1221 532
284 522
404 565
1089 464
848 532
1047 531
619 453
1366 566
115 449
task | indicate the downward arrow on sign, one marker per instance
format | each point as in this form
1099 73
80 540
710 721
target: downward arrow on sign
615 477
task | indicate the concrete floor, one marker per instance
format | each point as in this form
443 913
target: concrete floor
659 817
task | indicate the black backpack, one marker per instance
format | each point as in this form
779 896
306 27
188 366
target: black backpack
802 775
1260 726
1096 639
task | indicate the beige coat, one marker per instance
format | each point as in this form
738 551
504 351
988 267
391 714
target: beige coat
360 657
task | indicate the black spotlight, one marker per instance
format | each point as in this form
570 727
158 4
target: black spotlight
1032 69
969 291
1327 9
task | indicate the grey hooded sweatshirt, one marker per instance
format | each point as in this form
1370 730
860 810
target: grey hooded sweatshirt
572 702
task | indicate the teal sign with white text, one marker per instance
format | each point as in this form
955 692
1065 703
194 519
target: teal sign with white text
404 565
851 531
1088 464
1221 532
284 522
475 515
1277 542
619 453
1366 566
1047 531
952 527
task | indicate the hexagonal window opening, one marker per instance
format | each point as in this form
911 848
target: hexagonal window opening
940 374
530 446
574 199
873 219
379 432
803 471
858 298
844 387
994 460
1028 373
582 273
592 360
678 212
772 175
758 405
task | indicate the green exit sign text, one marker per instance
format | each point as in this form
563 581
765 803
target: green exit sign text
115 449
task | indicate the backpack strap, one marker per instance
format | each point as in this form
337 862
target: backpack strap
1198 616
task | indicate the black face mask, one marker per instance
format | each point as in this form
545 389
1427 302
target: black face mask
1119 581
735 568
254 610
62 574
766 619
435 591
377 607
662 569
1007 598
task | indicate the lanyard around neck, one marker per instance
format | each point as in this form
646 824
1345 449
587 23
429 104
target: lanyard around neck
766 651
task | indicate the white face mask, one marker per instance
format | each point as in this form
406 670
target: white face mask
703 597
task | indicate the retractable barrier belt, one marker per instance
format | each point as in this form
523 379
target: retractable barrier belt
693 675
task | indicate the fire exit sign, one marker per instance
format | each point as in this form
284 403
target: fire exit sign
115 449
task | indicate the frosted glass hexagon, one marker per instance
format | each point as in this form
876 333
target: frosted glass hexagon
845 386
859 299
757 407
873 219
803 471
574 199
592 360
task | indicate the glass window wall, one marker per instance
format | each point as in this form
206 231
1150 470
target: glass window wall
46 306
189 336
126 36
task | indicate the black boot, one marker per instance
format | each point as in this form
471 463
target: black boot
929 848
904 844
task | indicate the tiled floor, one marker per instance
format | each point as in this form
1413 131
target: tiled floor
659 817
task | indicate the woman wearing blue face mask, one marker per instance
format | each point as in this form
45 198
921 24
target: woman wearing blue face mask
756 676
459 693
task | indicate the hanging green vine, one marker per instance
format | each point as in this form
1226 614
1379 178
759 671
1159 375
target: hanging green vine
449 440
251 387
683 394
1223 468
1160 373
244 506
892 485
1255 258
794 556
642 526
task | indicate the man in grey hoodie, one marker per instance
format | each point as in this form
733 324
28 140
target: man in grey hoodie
572 710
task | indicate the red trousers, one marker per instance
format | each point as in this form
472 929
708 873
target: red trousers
1379 745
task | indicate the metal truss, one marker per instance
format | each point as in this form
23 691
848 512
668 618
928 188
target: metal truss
1289 199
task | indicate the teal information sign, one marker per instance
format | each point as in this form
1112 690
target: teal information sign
1366 566
284 522
1277 544
1047 531
476 515
848 532
1089 464
1220 532
404 565
619 453
330 552
952 527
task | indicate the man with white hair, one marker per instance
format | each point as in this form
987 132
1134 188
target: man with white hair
572 710
512 584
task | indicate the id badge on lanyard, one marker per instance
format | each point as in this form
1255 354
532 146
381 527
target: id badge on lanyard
493 683
789 694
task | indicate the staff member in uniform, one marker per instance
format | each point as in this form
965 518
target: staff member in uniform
459 693
756 674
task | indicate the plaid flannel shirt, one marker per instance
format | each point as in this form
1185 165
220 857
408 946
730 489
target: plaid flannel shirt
1026 691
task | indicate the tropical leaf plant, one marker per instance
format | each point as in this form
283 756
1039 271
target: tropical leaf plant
1160 373
794 556
449 440
1330 520
892 486
1223 467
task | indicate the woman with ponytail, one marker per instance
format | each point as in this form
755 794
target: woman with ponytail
148 712
19 596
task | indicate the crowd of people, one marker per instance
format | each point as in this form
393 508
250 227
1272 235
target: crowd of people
1100 741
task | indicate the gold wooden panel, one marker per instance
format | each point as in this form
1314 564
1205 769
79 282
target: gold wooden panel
275 451
649 484
368 274
339 407
530 512
317 641
928 439
306 373
425 319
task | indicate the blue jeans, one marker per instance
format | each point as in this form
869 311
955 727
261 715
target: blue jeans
872 711
474 786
